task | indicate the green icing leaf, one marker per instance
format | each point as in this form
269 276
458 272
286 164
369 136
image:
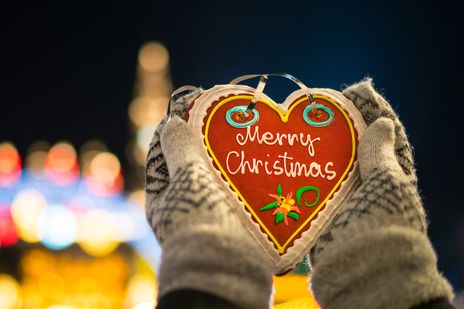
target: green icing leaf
303 190
270 206
293 215
279 217
279 189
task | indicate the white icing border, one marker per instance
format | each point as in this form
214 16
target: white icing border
302 245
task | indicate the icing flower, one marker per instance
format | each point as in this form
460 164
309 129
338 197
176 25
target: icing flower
285 205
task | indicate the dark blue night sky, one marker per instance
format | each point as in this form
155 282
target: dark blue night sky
68 70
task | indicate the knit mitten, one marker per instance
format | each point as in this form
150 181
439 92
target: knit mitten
205 247
375 253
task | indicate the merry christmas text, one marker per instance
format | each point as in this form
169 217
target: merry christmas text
282 164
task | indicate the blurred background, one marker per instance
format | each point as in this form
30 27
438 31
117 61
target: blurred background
84 85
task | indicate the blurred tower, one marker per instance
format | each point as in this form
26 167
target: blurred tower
153 86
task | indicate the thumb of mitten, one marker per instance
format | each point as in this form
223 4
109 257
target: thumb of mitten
178 144
376 148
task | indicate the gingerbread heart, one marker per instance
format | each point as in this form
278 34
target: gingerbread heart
286 167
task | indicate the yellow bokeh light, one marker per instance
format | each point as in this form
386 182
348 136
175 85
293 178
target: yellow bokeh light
34 263
26 209
65 278
291 291
51 285
144 111
141 289
145 306
97 233
153 86
300 303
10 292
153 57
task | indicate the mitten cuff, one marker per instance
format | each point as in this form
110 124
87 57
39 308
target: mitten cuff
391 267
223 265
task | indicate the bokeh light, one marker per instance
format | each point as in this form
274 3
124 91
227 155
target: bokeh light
124 227
88 151
64 278
144 111
153 57
104 175
144 136
293 286
35 161
26 209
8 234
138 155
141 290
145 306
98 232
9 292
10 164
153 71
137 198
57 227
37 153
51 285
61 164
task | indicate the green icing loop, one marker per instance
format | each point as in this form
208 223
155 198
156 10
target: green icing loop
303 190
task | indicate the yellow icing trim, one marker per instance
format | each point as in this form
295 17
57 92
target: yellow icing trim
284 118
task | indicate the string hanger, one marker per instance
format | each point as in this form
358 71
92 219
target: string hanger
313 110
262 84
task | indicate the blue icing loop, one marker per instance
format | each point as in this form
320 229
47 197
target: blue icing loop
241 109
318 124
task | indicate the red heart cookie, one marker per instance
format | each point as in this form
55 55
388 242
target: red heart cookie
286 166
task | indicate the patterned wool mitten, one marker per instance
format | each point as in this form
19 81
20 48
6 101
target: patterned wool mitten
375 253
205 247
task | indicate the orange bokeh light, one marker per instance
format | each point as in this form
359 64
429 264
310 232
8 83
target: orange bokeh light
104 175
61 164
153 57
10 164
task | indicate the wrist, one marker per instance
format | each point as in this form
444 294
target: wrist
228 266
390 267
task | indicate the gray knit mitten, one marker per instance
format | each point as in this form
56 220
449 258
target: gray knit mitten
205 247
375 253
